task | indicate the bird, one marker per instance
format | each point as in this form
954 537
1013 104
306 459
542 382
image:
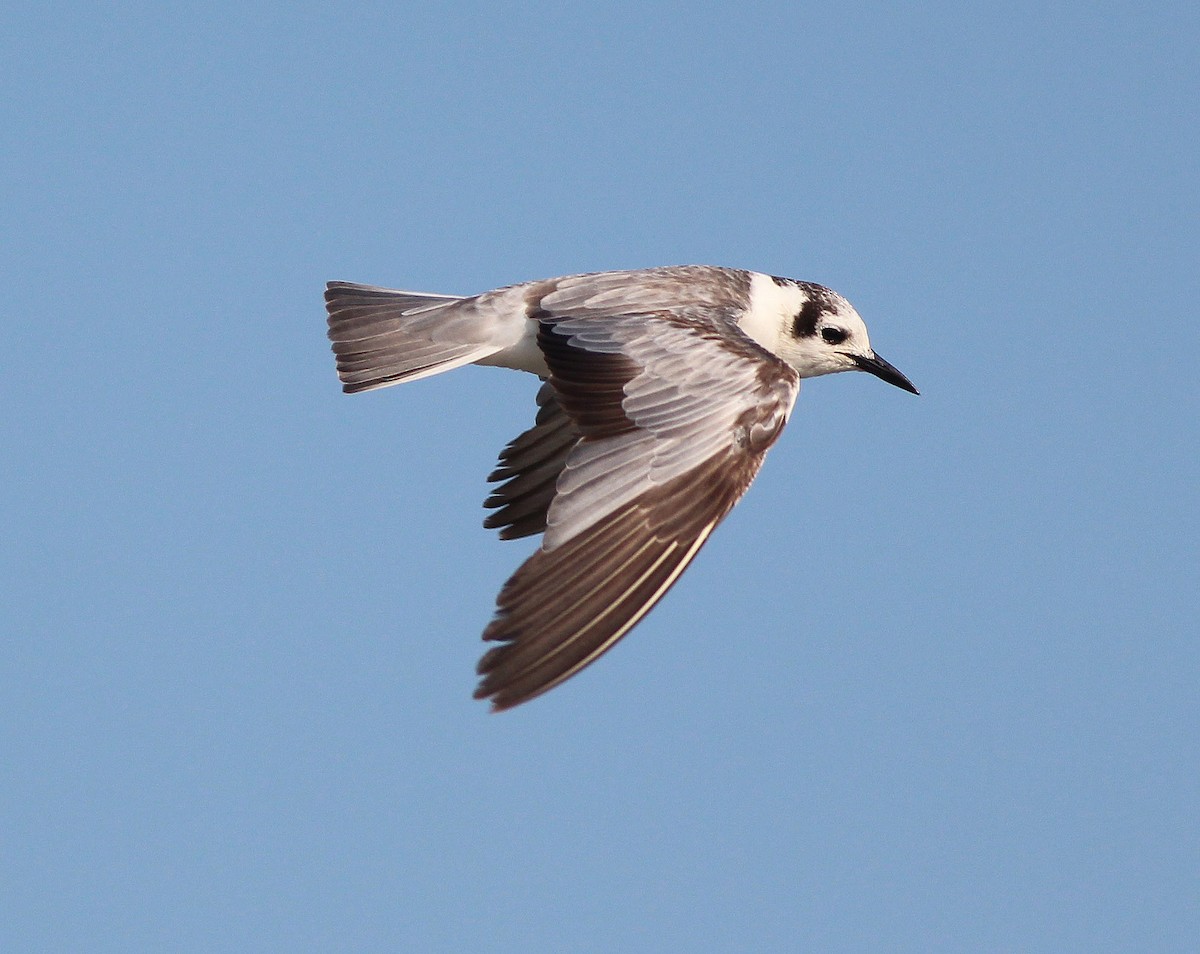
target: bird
662 390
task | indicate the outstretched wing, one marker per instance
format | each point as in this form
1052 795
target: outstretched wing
655 428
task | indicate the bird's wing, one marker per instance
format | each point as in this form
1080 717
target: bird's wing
672 420
529 467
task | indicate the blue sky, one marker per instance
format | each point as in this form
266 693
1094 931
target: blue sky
932 686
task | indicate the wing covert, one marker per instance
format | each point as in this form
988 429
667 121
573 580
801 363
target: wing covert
670 422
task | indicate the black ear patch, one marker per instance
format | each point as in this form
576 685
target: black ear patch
807 318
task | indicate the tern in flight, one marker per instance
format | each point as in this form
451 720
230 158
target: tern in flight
662 390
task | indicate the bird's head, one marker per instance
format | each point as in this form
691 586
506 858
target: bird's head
823 334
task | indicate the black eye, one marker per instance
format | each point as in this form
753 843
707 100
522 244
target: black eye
834 336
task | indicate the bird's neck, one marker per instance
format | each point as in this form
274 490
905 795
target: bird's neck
770 310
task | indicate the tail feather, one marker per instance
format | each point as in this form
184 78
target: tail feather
382 337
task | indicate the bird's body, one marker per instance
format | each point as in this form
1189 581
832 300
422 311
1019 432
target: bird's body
663 390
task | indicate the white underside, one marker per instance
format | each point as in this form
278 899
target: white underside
523 354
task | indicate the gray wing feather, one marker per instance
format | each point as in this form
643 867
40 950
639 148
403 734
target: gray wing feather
682 387
529 467
664 443
703 292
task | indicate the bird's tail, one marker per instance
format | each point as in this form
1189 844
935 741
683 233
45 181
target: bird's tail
383 337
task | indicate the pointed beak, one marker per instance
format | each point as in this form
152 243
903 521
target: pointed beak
884 371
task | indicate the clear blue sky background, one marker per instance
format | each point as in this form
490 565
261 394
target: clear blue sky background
933 685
